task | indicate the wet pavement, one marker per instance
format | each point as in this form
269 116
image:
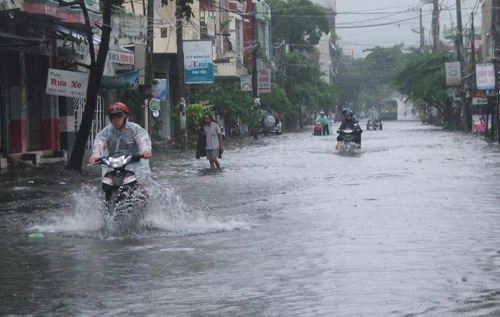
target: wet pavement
409 226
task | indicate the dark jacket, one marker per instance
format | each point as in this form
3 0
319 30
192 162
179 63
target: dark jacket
200 147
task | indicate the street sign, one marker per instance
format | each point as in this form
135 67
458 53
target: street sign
479 101
264 80
67 83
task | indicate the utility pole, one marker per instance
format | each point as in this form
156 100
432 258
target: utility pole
148 72
180 85
460 112
421 33
459 41
496 39
472 85
472 40
255 82
435 25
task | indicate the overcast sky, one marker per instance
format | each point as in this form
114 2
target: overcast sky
356 20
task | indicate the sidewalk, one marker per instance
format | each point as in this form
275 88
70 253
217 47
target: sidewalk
29 182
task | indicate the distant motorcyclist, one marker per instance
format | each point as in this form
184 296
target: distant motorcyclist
374 116
349 123
323 119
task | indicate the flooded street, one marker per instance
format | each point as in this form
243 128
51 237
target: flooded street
410 226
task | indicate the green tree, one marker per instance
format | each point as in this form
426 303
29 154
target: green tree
194 115
302 80
278 101
227 100
423 77
299 23
328 97
367 81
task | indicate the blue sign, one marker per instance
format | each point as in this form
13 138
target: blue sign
159 89
128 80
198 62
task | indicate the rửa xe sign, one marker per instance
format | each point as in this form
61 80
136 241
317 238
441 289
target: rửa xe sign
67 83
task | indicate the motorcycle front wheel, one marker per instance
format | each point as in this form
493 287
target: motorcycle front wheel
111 203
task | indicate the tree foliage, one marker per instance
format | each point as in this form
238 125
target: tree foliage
278 101
423 77
302 81
299 23
227 100
194 115
365 82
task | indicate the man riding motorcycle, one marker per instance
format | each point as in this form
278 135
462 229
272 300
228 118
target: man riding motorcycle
349 123
374 117
123 136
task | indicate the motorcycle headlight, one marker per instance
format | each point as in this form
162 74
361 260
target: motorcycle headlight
117 162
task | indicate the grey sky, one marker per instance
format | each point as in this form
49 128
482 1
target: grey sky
401 16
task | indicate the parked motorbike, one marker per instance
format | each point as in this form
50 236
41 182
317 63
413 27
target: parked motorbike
348 143
124 197
317 128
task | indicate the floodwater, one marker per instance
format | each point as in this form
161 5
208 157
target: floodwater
409 226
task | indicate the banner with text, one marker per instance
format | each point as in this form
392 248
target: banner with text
485 76
264 80
478 122
128 80
198 62
67 83
453 74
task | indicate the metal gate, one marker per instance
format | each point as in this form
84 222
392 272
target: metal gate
97 123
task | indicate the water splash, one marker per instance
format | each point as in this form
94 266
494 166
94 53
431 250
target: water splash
82 214
166 211
79 214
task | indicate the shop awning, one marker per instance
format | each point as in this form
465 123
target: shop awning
9 39
116 54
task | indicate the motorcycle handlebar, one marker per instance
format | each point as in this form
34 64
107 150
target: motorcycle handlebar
135 158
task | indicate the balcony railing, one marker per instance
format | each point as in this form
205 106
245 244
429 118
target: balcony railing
228 67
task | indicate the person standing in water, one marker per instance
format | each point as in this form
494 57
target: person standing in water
215 146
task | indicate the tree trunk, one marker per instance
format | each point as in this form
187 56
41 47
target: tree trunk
96 70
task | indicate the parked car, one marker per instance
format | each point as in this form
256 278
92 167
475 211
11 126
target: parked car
270 123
